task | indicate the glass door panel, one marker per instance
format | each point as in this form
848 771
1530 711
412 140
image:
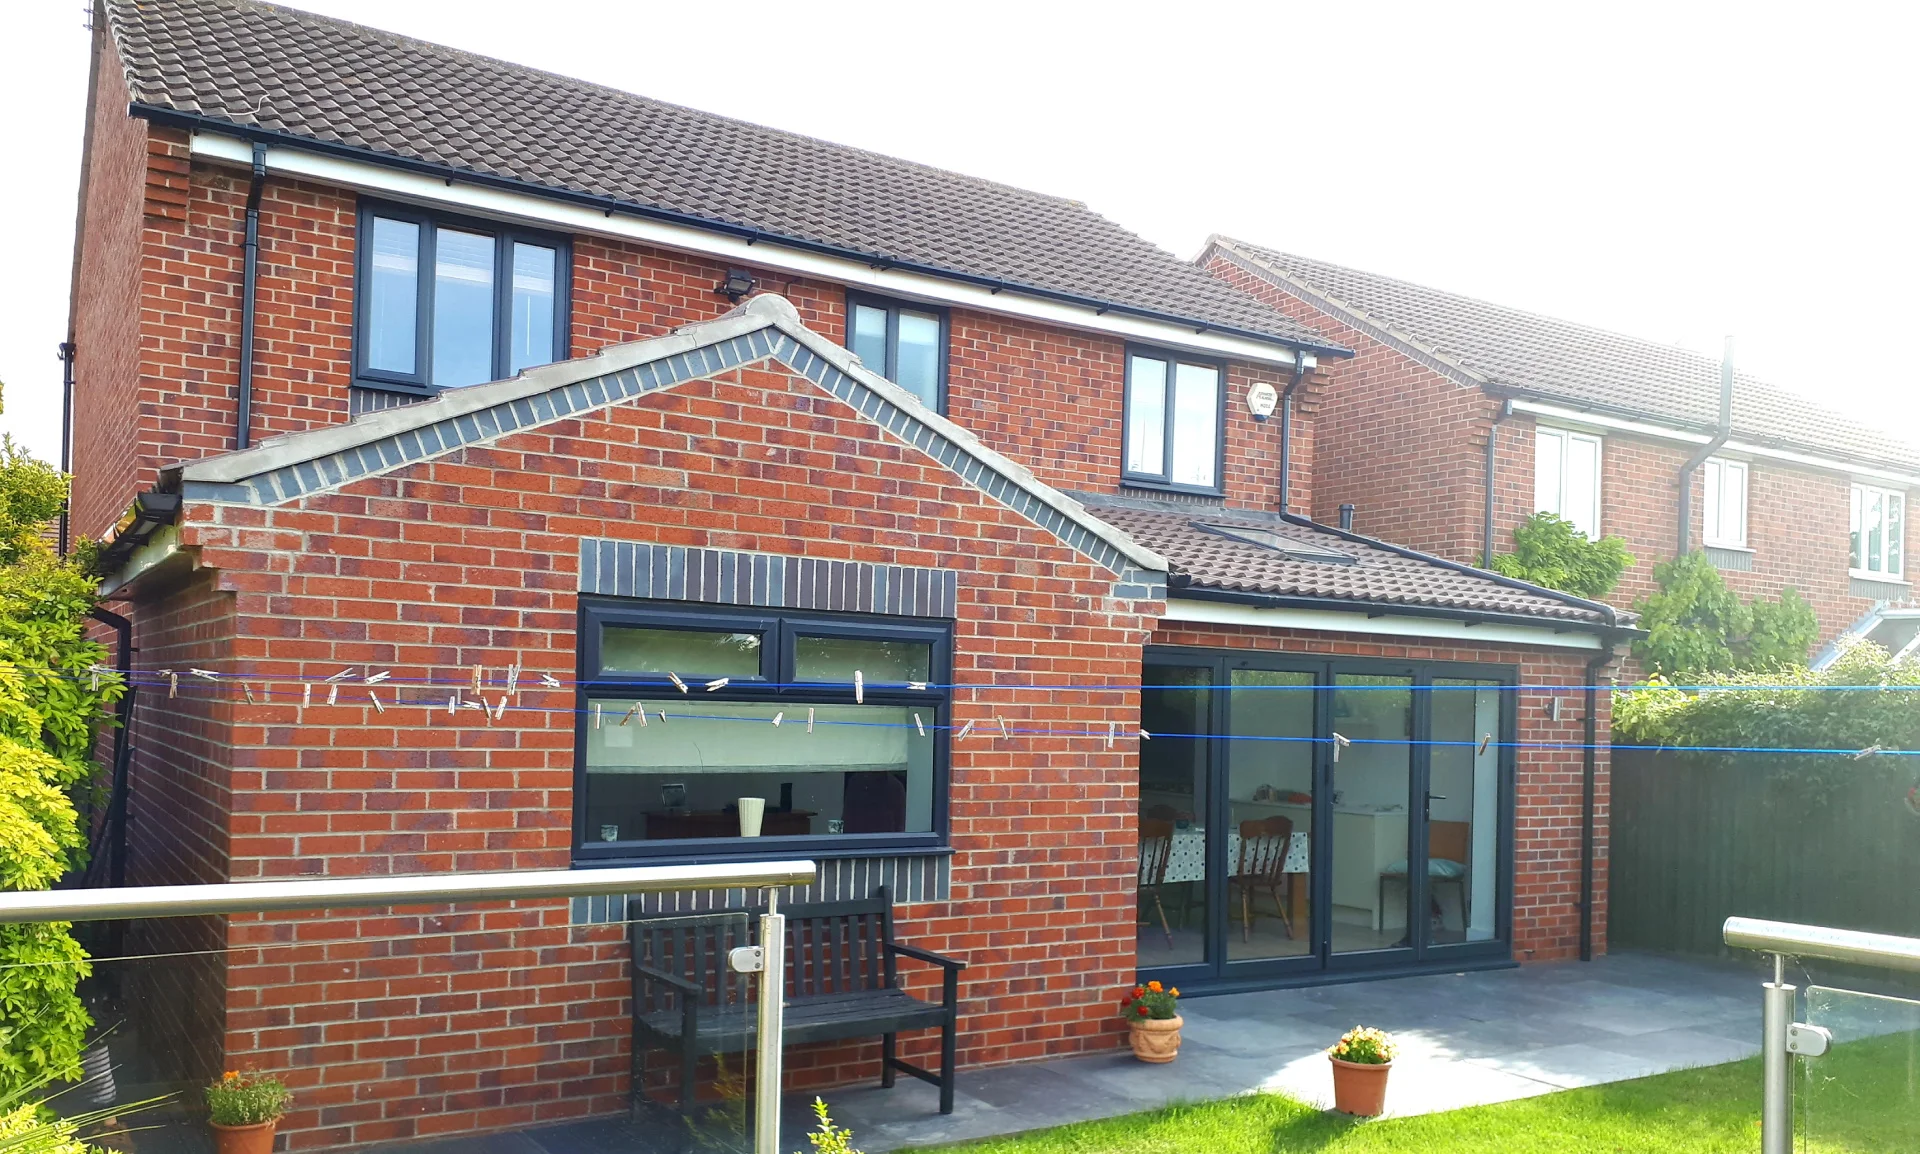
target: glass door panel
1176 708
1270 761
1463 812
1372 784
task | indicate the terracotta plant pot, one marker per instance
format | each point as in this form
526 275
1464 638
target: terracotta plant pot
1360 1088
1156 1040
254 1139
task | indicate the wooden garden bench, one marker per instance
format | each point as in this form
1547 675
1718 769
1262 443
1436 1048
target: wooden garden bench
840 984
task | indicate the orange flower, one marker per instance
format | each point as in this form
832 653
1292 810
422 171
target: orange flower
1175 991
230 1076
1154 986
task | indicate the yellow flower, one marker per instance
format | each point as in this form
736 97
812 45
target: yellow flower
1175 991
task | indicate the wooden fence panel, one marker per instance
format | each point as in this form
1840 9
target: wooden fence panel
1698 839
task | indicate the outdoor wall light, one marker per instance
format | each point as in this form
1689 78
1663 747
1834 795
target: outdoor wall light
738 284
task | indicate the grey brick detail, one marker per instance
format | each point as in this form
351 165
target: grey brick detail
735 577
909 880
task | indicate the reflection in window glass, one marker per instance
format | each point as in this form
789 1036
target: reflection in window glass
835 659
685 652
1463 838
1146 416
1175 706
1196 424
917 362
863 769
462 308
869 340
531 339
393 296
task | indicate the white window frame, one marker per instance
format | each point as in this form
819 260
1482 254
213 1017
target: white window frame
1856 504
1717 476
1558 506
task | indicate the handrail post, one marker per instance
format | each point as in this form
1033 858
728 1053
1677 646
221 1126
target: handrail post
773 1001
1776 1104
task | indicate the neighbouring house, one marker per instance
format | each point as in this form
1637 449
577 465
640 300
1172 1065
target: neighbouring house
1592 425
394 360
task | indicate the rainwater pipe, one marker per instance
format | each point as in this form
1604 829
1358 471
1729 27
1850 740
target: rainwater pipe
1286 431
1721 432
1493 452
249 284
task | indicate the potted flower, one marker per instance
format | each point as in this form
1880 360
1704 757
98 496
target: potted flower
1361 1059
1152 1013
244 1109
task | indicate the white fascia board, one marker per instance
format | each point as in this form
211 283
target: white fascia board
1580 418
530 208
1334 621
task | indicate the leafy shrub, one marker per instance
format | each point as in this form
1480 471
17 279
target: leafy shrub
1696 625
828 1138
1549 551
52 707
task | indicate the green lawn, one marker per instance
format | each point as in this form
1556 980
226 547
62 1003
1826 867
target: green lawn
1866 1102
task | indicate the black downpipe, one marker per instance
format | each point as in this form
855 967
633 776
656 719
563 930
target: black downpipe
1286 432
1493 450
1721 432
249 282
1589 787
66 438
122 747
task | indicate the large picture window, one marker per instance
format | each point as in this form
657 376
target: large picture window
445 302
1174 421
770 714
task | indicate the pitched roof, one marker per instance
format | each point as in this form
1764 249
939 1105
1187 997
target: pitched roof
293 465
1315 561
261 66
1518 351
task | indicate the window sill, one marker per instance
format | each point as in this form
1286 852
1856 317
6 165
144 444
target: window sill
1878 578
1726 547
725 851
1162 488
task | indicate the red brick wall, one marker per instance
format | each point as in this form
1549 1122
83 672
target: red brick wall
1402 444
470 559
1547 793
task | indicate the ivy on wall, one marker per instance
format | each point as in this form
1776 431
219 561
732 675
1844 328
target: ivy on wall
1695 624
1549 551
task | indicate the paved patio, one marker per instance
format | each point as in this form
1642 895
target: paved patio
1467 1039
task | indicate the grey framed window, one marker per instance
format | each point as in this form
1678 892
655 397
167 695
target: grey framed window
444 302
662 772
1175 421
905 343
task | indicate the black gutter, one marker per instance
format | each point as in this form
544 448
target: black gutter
1177 586
122 747
1589 775
1286 432
1493 450
1721 433
151 511
249 284
67 350
1609 615
610 205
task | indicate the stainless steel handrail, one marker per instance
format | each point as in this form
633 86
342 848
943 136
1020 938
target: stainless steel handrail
1886 950
433 889
401 890
1780 1036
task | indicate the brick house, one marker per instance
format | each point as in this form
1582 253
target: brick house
623 396
1597 427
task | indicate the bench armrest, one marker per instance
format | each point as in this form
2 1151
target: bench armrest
953 965
647 974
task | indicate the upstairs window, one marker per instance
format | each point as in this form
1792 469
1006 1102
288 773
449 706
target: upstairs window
1724 504
907 344
446 302
1878 535
1174 422
1566 478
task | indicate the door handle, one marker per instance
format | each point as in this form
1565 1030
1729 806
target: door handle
1436 797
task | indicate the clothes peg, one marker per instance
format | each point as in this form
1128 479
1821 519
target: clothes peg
596 715
859 688
964 731
916 685
777 717
377 678
1145 736
1339 743
478 672
375 698
342 675
1112 728
809 719
333 691
1004 731
677 683
550 681
918 726
248 690
306 694
717 683
1485 740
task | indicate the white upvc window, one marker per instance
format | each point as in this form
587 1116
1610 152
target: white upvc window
1877 533
1566 477
1724 512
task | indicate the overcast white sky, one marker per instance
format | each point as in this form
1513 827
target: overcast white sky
1673 171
